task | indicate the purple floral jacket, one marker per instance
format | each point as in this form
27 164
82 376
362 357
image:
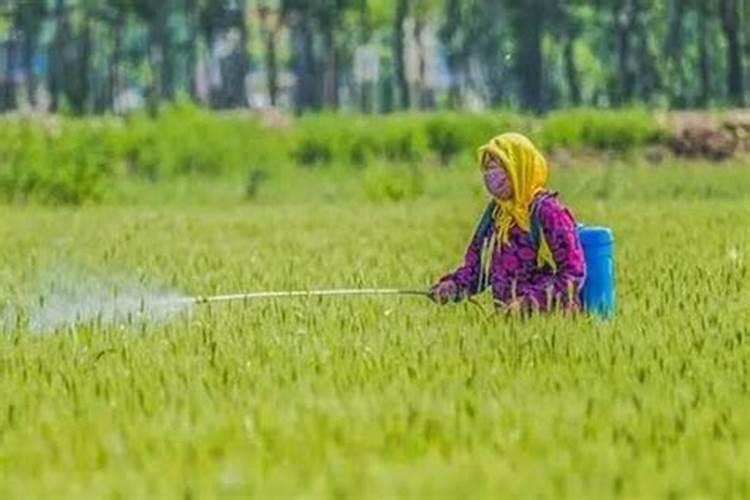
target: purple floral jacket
514 274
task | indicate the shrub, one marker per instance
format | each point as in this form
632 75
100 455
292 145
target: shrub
452 134
55 162
393 183
618 130
67 160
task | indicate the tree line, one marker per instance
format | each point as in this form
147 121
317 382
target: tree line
96 56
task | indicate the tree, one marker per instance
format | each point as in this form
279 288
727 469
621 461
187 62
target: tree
528 34
731 22
28 22
537 54
568 28
624 14
452 36
704 63
298 15
674 52
155 15
269 13
399 53
318 72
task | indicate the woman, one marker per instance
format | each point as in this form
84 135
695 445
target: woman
526 247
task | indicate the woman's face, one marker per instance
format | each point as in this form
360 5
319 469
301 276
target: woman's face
496 179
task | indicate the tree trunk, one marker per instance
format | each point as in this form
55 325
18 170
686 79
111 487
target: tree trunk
269 33
208 32
157 49
29 49
56 73
313 87
399 53
153 84
367 89
674 35
426 93
102 82
167 61
732 25
330 73
306 89
84 74
101 79
301 101
272 68
455 91
674 52
645 67
455 56
530 64
365 23
626 75
497 73
191 47
420 89
704 62
9 86
387 90
571 71
116 79
239 66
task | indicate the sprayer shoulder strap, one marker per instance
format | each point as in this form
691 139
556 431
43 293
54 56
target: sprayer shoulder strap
481 240
536 223
485 224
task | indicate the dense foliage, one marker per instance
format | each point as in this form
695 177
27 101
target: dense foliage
92 56
61 160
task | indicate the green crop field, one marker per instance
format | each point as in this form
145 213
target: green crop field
364 397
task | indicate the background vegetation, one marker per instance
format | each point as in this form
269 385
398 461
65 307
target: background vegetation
85 56
58 160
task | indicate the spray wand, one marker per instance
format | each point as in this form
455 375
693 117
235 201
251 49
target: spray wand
242 297
373 292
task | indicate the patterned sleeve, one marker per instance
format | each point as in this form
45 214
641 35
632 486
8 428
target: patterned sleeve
468 276
560 231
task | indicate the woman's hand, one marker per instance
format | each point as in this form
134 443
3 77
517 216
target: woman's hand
445 292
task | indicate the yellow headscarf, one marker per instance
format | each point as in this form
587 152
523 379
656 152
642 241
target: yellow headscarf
528 173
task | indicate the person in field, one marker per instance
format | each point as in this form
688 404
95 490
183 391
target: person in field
526 246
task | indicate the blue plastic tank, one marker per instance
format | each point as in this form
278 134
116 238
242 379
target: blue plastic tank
599 289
